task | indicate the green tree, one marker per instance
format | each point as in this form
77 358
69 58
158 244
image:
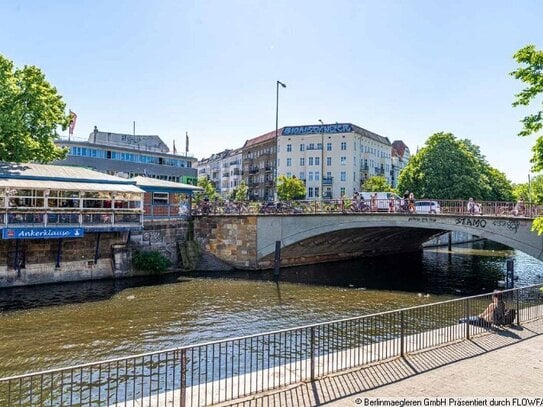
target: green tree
209 190
377 184
31 111
448 168
290 188
532 192
530 72
239 193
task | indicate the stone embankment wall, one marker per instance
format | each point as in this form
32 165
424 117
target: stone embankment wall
38 258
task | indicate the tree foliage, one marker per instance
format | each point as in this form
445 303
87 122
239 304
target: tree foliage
532 192
449 168
377 184
31 111
530 72
239 193
209 190
290 188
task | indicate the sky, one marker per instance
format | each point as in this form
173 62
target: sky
402 69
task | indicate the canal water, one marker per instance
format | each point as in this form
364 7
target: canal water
51 326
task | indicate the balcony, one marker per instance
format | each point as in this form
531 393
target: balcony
379 171
254 170
327 180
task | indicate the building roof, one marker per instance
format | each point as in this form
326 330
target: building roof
57 173
42 176
262 139
398 148
371 135
159 185
19 183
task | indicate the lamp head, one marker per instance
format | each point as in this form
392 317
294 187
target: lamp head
321 122
282 84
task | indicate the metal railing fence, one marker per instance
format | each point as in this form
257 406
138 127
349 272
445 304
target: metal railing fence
349 206
225 370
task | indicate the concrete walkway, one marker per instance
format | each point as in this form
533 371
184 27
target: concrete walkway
505 363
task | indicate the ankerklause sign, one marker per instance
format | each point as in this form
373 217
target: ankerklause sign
42 233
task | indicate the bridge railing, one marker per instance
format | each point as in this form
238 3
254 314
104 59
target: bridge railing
220 371
350 206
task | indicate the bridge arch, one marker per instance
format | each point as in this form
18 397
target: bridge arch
320 238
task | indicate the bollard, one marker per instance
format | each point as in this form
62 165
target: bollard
509 280
277 269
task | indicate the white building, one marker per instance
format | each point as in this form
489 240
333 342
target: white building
350 155
224 169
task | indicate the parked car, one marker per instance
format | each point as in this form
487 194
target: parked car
427 207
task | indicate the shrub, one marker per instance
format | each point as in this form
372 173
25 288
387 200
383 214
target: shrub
152 261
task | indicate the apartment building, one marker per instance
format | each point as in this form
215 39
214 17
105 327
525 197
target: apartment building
400 158
224 169
333 159
259 164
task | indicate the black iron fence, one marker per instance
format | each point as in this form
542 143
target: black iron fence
225 370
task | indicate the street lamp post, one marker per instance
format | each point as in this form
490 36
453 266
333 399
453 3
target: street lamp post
322 159
276 140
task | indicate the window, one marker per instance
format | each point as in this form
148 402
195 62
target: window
160 198
289 175
317 161
302 147
317 175
302 161
302 175
317 191
310 192
310 176
344 145
319 146
343 160
311 146
343 176
328 146
310 161
289 148
289 162
328 161
342 191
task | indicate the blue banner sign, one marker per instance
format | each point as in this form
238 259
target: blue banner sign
326 129
42 233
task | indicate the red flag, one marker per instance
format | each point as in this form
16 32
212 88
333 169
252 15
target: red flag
174 149
71 126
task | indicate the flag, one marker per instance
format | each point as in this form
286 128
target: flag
71 126
174 149
187 142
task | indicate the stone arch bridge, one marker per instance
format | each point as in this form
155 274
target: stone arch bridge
248 241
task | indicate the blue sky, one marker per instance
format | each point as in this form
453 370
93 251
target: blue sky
403 69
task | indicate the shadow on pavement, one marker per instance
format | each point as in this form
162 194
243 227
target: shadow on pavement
356 382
